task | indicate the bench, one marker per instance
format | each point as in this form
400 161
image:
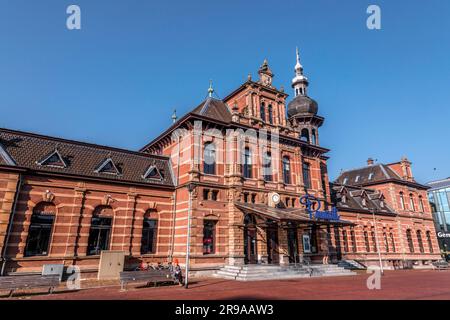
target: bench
439 265
147 276
13 283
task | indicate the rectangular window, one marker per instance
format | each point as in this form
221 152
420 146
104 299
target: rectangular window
253 198
366 241
149 234
410 241
262 111
247 163
391 235
352 235
306 175
215 195
270 114
267 166
209 234
286 170
205 194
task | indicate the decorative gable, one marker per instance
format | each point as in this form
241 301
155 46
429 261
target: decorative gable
108 167
53 160
152 173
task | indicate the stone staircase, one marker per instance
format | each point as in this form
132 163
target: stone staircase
274 272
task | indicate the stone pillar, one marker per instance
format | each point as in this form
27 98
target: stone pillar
283 246
77 209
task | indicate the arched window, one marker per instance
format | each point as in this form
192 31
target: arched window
267 166
402 201
420 241
40 230
306 175
430 243
149 233
247 163
100 231
262 111
270 114
286 170
410 241
304 136
366 241
421 208
313 136
209 159
411 202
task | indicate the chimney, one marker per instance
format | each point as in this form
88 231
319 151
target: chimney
370 162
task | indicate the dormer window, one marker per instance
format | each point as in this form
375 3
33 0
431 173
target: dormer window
108 167
370 176
356 179
345 181
53 160
344 198
364 202
382 203
152 173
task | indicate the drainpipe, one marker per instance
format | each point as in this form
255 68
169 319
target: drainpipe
188 241
10 224
376 240
175 203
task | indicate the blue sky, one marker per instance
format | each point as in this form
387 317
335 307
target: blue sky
116 81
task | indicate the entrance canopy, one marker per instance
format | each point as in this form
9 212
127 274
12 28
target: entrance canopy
296 215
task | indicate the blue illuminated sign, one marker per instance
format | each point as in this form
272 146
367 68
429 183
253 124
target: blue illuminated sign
308 201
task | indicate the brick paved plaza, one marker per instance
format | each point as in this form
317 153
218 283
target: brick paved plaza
402 284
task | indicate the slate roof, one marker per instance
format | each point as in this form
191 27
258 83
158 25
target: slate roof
354 200
368 174
214 109
30 151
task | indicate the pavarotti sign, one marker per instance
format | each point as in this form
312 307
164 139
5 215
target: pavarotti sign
328 215
309 200
442 234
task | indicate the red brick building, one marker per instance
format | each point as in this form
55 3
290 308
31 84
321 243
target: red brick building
392 215
221 185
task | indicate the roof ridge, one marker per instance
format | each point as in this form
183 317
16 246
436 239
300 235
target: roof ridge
80 143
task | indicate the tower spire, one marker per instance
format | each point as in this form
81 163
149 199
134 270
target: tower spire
299 82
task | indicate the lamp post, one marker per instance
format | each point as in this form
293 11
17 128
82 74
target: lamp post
376 240
190 188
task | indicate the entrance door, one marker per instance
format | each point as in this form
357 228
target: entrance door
250 250
292 245
250 245
272 246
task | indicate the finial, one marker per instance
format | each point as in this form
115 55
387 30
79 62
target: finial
210 89
298 65
249 77
174 116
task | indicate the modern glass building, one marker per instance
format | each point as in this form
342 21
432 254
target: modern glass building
439 196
